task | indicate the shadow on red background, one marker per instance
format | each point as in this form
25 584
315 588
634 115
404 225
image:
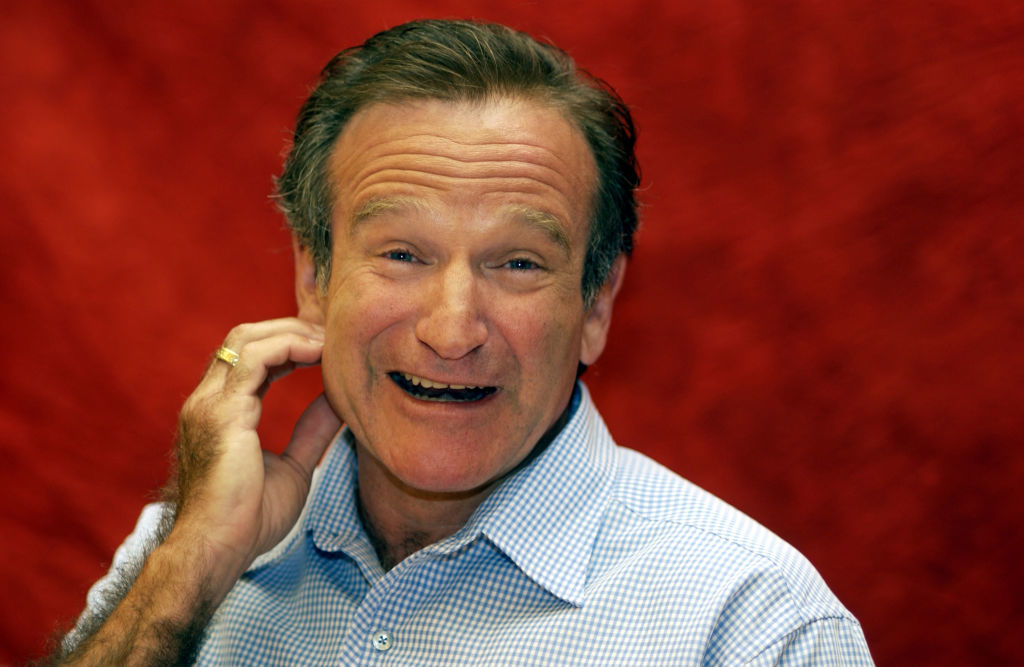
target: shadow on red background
823 323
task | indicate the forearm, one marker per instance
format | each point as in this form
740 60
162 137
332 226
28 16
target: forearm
161 619
234 501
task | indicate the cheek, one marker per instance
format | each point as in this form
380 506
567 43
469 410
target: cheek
545 336
360 317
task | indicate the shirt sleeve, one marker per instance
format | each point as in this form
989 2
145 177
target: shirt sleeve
128 560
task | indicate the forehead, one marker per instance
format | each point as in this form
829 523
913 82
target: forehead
508 152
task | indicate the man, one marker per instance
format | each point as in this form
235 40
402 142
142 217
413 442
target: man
462 204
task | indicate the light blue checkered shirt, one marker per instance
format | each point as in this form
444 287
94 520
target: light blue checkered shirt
591 555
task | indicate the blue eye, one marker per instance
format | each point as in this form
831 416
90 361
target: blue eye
400 255
520 264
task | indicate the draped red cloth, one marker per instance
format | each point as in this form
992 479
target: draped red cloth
822 325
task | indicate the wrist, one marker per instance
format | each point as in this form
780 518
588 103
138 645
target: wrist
202 566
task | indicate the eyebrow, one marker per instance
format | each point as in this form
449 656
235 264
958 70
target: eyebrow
549 223
546 222
380 205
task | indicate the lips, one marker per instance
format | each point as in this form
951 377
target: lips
427 390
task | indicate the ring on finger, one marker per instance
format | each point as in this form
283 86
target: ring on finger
227 355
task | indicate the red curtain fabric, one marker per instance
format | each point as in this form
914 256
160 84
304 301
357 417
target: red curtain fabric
822 323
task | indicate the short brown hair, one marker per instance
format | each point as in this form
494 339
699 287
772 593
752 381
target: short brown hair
462 61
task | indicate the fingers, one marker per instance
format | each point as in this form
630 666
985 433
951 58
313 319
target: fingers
228 399
271 358
266 352
313 432
245 333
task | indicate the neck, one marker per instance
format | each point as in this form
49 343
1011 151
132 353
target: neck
403 522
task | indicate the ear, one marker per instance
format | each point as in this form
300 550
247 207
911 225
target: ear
598 318
308 295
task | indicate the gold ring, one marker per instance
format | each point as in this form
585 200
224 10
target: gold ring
228 356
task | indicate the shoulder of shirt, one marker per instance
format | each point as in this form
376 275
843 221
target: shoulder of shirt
693 523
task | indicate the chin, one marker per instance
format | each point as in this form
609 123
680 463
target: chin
440 468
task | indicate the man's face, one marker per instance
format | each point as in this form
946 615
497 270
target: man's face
454 318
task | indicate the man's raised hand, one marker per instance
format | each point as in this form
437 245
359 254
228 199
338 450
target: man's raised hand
235 498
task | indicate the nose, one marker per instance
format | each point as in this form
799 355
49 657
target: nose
452 323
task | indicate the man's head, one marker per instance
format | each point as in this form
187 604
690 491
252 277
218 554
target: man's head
479 194
459 61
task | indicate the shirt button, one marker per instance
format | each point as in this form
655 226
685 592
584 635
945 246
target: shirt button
382 640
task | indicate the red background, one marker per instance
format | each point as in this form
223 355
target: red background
822 325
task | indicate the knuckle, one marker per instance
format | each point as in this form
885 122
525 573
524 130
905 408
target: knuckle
239 333
250 354
248 348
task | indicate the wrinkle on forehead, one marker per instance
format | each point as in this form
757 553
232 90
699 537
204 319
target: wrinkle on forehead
509 150
513 146
427 155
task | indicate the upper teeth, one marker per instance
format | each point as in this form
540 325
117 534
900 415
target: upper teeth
427 384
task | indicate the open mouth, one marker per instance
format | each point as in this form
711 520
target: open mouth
425 390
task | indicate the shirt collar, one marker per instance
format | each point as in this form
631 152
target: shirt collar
544 518
330 515
334 522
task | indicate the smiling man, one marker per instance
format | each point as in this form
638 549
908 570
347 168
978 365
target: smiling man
454 313
462 200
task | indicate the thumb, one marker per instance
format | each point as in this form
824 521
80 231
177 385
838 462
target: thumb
313 432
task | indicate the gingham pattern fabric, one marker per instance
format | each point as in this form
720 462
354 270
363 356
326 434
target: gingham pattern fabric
591 555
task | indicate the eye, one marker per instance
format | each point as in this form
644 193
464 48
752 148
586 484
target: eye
400 255
521 264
